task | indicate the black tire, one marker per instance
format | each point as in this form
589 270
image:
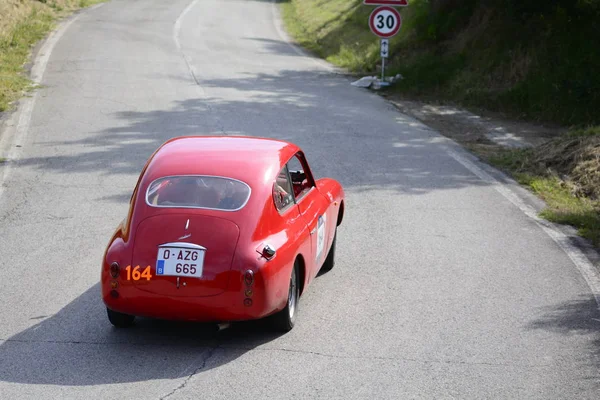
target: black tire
284 320
120 320
330 260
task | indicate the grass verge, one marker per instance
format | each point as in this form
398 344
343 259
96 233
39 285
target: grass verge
564 172
23 24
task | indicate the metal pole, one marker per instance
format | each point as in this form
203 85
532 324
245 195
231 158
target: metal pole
382 68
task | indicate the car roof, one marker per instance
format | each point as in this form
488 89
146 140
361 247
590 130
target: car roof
254 160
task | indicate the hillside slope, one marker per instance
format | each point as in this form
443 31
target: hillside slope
533 59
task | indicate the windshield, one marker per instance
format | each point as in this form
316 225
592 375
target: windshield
198 191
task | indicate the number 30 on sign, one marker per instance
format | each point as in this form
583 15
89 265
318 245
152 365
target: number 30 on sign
385 21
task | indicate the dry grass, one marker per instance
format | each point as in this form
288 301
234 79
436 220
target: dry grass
565 172
22 24
15 11
574 159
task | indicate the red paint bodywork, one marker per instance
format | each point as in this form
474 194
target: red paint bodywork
236 237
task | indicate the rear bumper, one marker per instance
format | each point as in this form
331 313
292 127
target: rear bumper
227 306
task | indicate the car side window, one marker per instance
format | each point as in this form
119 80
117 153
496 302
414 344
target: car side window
301 181
282 190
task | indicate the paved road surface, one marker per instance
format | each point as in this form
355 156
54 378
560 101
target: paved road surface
443 288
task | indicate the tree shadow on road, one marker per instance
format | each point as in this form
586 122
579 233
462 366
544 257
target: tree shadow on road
347 133
576 319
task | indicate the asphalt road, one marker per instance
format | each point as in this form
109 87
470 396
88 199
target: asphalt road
443 287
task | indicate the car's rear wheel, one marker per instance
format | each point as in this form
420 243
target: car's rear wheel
330 260
285 319
120 320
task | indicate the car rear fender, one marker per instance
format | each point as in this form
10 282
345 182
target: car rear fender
334 192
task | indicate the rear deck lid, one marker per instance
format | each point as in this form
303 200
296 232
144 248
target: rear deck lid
189 255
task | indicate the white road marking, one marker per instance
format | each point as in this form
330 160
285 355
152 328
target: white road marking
176 30
583 264
27 103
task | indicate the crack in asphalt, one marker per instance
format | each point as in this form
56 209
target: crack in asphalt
213 348
211 352
382 358
87 342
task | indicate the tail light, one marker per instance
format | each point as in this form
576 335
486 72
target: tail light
249 277
114 270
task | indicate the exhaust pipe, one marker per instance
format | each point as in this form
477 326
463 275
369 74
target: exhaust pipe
223 326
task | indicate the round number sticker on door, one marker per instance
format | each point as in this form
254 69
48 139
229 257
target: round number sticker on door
321 235
385 21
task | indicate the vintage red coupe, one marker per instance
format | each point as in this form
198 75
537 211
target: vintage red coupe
221 229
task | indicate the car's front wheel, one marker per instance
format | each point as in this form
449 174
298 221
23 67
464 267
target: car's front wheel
120 320
285 319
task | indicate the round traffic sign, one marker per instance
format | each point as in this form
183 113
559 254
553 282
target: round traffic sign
385 21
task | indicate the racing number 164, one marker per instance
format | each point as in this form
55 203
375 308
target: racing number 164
137 275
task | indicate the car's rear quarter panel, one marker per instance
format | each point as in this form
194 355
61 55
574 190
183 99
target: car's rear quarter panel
288 234
333 191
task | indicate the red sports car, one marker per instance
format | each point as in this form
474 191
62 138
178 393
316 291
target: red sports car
221 229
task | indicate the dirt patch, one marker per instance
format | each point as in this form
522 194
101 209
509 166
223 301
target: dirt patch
573 158
482 128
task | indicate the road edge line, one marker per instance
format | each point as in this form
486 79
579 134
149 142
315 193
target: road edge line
26 104
584 265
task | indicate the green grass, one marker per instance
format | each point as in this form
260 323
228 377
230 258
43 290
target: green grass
533 60
14 51
89 3
16 45
333 30
585 132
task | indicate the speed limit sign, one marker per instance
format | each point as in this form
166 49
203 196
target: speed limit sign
385 21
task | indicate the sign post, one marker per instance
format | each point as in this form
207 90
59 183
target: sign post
384 22
384 52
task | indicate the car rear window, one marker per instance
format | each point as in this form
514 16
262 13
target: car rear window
198 191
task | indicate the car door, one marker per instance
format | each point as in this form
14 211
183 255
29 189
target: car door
312 206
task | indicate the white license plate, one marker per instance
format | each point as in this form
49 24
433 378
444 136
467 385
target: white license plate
183 259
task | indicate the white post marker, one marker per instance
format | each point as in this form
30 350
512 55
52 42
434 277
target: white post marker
385 51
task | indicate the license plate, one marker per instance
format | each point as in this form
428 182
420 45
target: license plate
181 259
